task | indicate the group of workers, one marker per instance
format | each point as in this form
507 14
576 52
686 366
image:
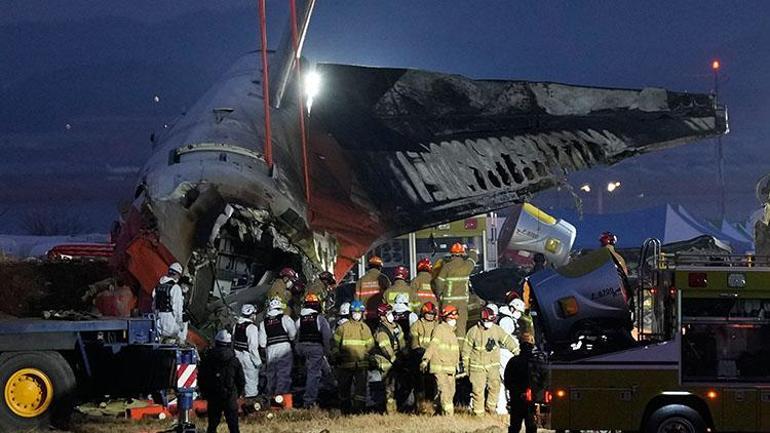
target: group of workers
397 346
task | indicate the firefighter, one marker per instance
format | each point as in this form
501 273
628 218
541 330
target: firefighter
608 240
421 333
452 284
508 320
314 338
168 305
422 284
400 287
276 334
442 359
386 358
406 376
246 345
222 382
323 287
369 288
481 356
351 344
281 288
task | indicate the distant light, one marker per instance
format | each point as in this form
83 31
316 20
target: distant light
68 127
586 188
712 394
715 65
156 98
312 87
612 186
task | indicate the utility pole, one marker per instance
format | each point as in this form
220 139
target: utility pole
715 65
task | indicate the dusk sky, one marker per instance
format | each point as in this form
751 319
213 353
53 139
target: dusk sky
96 66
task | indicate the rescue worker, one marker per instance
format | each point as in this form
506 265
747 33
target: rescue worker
406 376
481 356
323 287
508 319
281 287
369 288
276 334
400 287
246 345
422 284
421 333
221 382
343 314
442 359
314 338
452 283
518 383
351 344
168 305
389 347
539 263
608 240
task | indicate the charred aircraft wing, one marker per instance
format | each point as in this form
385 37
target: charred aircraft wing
396 150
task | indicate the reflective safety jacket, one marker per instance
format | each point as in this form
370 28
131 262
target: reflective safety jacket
443 353
398 287
452 281
279 290
369 289
351 344
389 344
422 332
422 285
482 347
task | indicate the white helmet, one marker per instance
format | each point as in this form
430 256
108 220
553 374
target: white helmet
247 310
275 304
176 267
223 336
518 305
402 298
493 307
345 309
506 310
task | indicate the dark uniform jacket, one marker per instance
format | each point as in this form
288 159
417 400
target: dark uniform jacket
221 375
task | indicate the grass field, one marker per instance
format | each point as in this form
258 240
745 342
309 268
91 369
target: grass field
316 421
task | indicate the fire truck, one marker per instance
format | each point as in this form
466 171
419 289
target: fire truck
687 350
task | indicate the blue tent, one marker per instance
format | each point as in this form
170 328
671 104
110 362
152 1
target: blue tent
667 223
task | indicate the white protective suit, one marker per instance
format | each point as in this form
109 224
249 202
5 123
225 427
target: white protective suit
279 355
315 354
250 359
170 324
508 323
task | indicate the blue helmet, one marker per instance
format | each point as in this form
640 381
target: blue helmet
357 307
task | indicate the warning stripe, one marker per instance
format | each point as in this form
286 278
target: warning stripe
186 375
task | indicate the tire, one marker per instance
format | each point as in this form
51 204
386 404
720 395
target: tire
48 371
675 418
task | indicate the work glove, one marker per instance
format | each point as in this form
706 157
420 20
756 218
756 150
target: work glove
424 366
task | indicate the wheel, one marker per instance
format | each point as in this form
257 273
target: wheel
38 390
675 418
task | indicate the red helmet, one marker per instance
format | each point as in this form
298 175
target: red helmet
607 238
424 265
375 261
327 278
384 309
487 315
457 248
401 273
449 312
289 273
428 308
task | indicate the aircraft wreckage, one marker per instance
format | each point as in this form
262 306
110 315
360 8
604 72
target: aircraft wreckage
389 151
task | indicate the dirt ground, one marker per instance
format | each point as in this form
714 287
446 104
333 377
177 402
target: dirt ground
304 421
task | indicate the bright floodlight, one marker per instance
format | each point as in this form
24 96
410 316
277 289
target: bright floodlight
612 186
715 65
586 188
312 87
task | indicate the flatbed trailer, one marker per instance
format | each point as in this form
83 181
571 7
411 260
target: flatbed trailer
46 366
